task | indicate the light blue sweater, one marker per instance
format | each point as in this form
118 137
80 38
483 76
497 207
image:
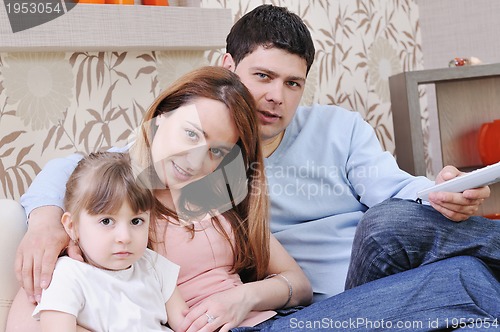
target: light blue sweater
328 170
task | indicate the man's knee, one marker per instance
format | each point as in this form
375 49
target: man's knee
463 263
469 266
393 217
382 218
471 270
480 282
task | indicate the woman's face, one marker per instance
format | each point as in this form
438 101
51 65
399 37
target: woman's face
190 142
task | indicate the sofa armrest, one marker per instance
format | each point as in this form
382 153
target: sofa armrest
13 225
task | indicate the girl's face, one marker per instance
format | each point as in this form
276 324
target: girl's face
113 241
190 142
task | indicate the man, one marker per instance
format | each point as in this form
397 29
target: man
324 165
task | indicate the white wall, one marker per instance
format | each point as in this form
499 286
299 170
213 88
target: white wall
459 28
455 28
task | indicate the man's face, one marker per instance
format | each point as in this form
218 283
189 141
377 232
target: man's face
276 79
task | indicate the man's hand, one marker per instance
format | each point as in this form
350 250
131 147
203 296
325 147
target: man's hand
457 206
37 254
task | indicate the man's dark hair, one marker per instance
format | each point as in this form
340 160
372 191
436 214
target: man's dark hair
270 26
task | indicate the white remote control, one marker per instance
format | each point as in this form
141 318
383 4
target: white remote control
477 178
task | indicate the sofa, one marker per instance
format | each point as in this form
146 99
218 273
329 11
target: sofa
13 221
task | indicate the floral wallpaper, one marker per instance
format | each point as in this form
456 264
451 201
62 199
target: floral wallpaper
54 104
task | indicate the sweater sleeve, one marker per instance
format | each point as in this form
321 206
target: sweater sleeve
370 167
49 186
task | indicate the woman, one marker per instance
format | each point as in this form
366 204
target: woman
198 149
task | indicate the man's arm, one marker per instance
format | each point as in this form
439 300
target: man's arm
38 251
369 167
49 185
46 238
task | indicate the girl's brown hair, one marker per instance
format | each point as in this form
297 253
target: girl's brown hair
248 207
102 182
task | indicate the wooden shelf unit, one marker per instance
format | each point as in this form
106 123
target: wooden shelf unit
466 97
90 27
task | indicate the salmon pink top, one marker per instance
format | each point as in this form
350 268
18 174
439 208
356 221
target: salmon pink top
205 262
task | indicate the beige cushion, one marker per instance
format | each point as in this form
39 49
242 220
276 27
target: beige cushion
13 225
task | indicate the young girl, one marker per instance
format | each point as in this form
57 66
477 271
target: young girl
199 149
122 285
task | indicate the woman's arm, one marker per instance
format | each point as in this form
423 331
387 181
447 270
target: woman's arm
55 321
231 307
274 292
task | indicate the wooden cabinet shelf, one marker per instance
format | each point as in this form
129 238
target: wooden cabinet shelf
89 27
466 97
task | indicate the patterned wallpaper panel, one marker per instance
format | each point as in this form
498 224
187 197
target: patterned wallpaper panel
54 104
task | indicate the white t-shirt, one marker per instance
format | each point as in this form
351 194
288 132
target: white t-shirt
101 300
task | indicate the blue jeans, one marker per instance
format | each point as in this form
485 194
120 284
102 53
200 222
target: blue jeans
436 296
398 235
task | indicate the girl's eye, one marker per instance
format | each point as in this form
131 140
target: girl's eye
137 221
106 221
192 135
217 153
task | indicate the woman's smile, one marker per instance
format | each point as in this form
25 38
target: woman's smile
180 173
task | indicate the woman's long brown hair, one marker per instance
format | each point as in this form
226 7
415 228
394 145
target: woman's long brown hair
247 214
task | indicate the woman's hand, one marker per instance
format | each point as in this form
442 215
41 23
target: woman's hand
228 309
38 251
223 310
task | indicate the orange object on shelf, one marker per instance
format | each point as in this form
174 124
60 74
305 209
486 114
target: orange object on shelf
489 142
120 2
91 1
155 2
